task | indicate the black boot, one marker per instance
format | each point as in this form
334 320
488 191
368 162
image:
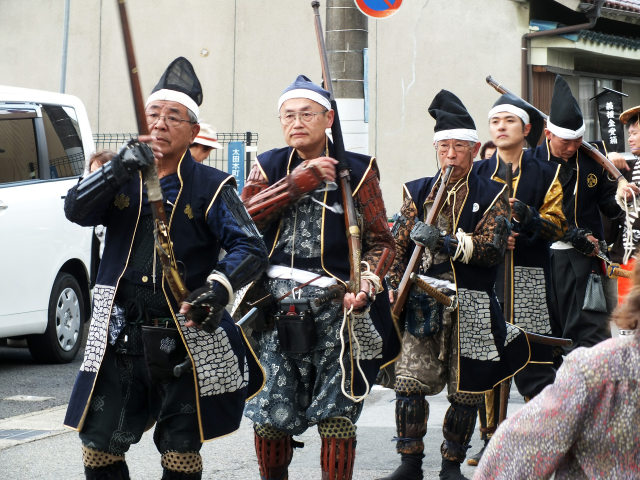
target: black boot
450 470
173 475
474 459
409 469
114 471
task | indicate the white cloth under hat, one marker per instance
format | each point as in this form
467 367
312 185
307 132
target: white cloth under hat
452 118
302 87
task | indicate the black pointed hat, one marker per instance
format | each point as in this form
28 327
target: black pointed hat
565 117
179 83
452 118
508 102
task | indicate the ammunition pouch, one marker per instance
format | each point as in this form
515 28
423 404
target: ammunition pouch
295 325
163 350
423 317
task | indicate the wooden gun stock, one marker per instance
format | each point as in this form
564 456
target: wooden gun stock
354 236
416 256
585 147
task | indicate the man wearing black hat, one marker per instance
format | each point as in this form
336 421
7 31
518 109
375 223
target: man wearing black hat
139 332
470 348
321 358
537 221
587 191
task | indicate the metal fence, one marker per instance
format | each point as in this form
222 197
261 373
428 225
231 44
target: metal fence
218 158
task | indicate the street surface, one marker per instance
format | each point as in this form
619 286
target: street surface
35 445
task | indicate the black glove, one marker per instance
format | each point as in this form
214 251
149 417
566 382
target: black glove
133 156
207 305
425 235
100 186
523 212
579 240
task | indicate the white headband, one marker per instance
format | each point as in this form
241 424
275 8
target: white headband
174 96
565 133
507 107
457 134
304 93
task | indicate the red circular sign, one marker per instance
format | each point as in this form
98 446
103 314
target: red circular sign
378 8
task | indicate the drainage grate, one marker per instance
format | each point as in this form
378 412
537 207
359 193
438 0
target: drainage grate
21 434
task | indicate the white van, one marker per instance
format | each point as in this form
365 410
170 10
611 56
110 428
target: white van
45 260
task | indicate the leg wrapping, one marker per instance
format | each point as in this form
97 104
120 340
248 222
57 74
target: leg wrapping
492 407
459 422
181 465
412 413
274 452
336 458
103 465
482 417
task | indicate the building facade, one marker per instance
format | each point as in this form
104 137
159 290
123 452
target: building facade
246 51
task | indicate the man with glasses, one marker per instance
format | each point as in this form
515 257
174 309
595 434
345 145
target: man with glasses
149 359
316 375
467 347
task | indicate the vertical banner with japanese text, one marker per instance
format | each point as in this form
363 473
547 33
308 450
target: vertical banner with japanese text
235 155
611 130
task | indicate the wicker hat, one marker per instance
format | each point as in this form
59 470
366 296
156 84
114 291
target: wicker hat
629 114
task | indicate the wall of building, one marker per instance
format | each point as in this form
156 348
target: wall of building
426 46
247 51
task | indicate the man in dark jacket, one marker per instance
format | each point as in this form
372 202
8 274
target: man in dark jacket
587 190
140 332
322 356
468 349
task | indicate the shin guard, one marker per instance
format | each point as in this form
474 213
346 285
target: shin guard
181 466
100 465
412 413
459 422
336 458
338 450
274 452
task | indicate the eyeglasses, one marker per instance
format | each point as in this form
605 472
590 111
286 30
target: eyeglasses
290 117
169 120
459 147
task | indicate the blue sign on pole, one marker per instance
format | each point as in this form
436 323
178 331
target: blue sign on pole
235 155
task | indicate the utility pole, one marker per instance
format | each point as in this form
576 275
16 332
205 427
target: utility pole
347 38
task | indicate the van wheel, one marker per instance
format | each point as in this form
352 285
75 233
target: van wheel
61 340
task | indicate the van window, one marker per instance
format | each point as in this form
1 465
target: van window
18 153
64 144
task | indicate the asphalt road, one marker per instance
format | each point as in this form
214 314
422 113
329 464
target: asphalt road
27 386
35 444
42 448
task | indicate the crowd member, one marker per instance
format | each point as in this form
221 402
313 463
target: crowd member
471 348
138 331
205 141
537 221
587 190
487 150
315 375
626 232
584 425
